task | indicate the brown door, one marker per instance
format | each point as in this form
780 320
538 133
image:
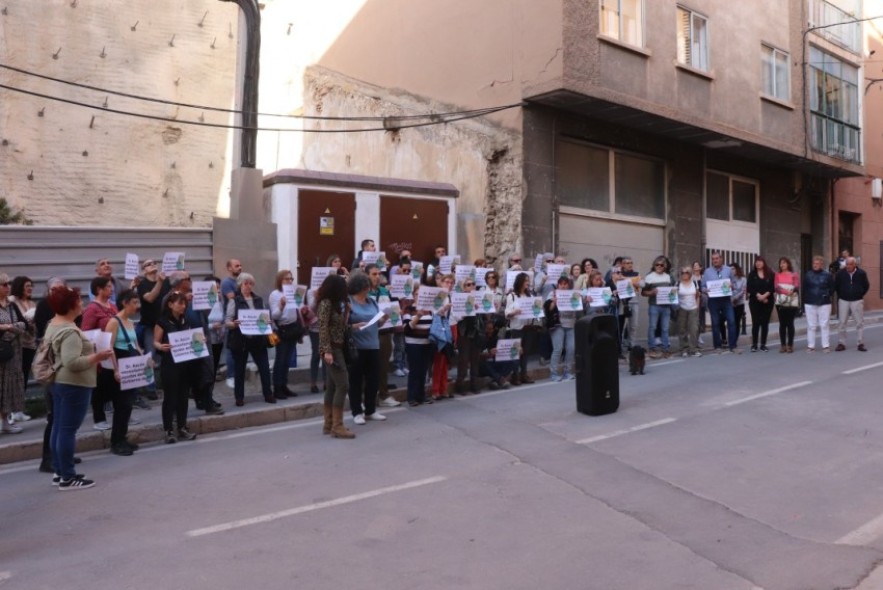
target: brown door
418 225
326 225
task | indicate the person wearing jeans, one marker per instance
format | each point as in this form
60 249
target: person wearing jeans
658 312
74 381
720 307
818 289
560 323
851 284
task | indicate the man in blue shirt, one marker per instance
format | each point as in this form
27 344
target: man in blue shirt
720 307
228 290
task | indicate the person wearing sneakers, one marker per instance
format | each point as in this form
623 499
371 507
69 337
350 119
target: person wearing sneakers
95 317
380 294
333 310
364 373
787 303
175 376
818 289
688 313
74 381
124 343
851 284
229 287
12 384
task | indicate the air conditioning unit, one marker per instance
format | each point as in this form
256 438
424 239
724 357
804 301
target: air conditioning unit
877 189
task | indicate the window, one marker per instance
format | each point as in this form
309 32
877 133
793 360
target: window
607 181
828 14
692 39
728 198
776 73
623 20
836 128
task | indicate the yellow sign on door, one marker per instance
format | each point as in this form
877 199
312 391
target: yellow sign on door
326 226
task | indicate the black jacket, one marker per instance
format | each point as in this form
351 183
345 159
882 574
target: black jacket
818 287
851 288
757 285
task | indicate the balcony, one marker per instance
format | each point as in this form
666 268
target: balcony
847 35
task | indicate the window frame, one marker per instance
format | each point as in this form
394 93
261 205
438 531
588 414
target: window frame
610 212
774 52
731 178
826 70
705 47
619 36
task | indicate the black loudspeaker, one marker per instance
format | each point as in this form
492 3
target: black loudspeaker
597 365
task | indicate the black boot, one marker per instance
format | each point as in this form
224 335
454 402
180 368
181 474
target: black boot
279 392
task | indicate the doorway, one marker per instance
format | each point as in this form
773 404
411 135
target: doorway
418 225
846 232
326 225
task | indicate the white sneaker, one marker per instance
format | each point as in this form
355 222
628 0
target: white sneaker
10 429
390 402
376 416
134 421
230 383
101 426
399 373
19 417
359 419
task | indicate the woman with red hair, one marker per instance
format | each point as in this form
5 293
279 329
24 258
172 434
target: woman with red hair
74 381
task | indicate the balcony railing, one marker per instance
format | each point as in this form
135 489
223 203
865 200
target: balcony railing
847 35
835 138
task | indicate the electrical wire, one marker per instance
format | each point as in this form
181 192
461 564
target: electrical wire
391 127
231 111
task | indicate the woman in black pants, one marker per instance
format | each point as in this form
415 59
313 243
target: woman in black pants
761 286
787 302
124 343
176 377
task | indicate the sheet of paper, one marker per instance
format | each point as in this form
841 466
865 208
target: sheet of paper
531 307
135 372
445 263
378 258
463 304
555 272
188 345
393 312
101 340
601 296
132 267
719 288
373 320
401 286
508 349
511 275
318 274
416 269
568 300
625 289
205 294
480 275
255 322
666 295
431 298
172 261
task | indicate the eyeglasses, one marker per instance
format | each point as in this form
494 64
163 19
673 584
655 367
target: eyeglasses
288 278
662 264
516 260
468 284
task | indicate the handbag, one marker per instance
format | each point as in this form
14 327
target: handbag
787 300
350 352
272 339
291 332
7 351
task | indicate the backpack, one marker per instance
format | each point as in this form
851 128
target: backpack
45 366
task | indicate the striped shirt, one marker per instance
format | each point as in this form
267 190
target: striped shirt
420 334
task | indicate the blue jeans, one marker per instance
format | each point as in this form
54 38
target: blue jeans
658 314
282 362
722 308
562 343
497 370
69 406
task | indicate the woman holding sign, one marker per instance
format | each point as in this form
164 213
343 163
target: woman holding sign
124 343
175 376
517 323
787 303
689 297
243 343
562 307
284 304
332 310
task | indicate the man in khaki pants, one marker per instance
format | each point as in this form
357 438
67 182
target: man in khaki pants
851 284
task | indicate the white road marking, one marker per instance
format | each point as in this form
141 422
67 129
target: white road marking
593 439
864 534
312 507
5 576
767 393
663 363
865 368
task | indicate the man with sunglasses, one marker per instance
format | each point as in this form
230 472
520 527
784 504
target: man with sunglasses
152 288
658 313
720 307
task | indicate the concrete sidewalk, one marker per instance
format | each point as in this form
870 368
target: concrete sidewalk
28 444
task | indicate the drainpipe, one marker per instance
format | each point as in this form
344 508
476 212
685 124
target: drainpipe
249 135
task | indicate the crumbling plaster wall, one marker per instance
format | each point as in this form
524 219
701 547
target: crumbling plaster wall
482 159
69 165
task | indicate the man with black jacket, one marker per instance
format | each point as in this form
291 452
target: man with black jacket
851 285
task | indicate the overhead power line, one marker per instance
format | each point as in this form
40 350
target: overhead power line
230 111
390 123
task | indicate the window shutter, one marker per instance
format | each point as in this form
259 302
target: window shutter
684 44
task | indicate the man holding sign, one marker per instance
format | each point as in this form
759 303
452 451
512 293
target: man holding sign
717 279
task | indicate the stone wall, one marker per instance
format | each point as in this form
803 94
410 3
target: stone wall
70 165
480 158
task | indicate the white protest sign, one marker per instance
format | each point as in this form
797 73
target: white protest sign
508 349
318 274
445 263
464 272
101 340
568 300
135 372
555 271
416 269
393 312
294 294
666 295
538 262
488 303
132 267
378 258
205 294
255 322
188 345
463 304
531 308
401 286
720 288
625 289
431 298
601 296
172 261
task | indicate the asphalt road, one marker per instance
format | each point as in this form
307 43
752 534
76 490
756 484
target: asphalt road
731 472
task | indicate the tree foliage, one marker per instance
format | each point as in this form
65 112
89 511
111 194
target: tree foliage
10 217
